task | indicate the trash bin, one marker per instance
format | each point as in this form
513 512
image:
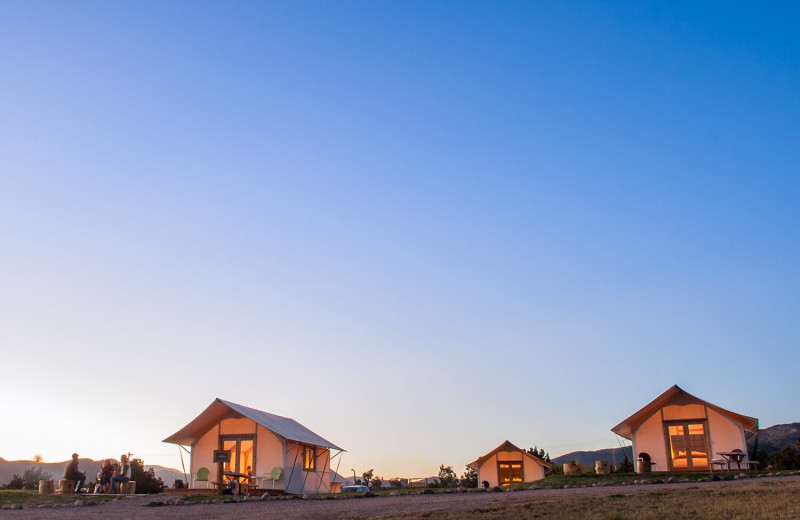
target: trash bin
177 483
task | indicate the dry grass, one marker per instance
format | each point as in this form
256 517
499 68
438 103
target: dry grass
33 498
757 500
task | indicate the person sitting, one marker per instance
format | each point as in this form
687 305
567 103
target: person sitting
122 474
104 477
71 472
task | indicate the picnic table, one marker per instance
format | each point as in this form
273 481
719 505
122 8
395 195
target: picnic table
733 456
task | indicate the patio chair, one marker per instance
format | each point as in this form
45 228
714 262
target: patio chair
202 476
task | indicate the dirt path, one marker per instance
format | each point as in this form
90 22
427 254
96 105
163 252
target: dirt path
377 507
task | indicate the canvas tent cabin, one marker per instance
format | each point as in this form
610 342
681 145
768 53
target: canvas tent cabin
260 444
681 432
508 464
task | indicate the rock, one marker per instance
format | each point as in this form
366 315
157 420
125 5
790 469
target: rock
78 503
155 503
308 496
567 486
534 487
266 496
19 506
394 494
461 489
43 506
179 502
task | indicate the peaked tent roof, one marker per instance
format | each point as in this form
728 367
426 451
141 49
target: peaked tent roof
219 409
625 428
506 446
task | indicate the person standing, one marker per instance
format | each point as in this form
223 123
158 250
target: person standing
122 474
71 472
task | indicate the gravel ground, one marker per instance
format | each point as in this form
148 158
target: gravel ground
376 507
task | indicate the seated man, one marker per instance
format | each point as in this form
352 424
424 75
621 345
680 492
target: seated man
71 472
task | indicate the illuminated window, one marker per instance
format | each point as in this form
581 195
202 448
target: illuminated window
309 458
509 472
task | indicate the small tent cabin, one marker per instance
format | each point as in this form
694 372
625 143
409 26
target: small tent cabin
508 464
288 456
680 432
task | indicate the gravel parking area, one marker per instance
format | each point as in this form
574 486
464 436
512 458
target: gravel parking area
344 508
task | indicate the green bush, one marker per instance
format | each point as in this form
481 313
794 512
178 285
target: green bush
146 480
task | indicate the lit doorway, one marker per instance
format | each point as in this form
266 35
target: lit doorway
509 472
242 454
688 445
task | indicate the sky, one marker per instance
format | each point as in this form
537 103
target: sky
418 228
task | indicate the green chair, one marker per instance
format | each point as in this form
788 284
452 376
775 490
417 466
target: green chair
202 476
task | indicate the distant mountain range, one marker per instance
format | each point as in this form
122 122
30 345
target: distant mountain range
771 439
777 437
9 468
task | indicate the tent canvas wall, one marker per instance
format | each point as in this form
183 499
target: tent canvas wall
681 432
508 464
258 442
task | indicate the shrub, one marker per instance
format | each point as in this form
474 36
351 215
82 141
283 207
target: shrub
146 480
32 476
16 482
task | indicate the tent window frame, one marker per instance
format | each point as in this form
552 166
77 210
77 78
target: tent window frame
309 458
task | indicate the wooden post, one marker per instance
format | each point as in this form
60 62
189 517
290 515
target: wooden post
127 488
219 477
47 487
66 487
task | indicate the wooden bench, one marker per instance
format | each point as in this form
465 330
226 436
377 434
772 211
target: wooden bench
718 462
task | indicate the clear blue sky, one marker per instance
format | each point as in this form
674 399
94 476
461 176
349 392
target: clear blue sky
419 228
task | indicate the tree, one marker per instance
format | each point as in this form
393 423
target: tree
16 482
32 476
367 476
376 483
146 480
470 478
537 452
447 477
786 459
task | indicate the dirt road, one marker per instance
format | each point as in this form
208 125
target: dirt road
349 508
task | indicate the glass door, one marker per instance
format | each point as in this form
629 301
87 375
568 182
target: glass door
242 454
509 472
688 445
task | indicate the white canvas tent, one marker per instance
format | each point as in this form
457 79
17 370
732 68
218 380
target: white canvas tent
508 464
258 442
681 432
